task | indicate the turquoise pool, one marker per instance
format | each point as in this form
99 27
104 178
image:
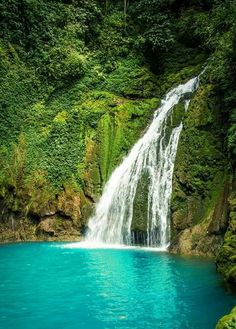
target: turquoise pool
56 285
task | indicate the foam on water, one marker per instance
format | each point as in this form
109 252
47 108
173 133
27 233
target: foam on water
100 245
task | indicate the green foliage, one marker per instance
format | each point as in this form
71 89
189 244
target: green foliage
220 38
132 80
15 170
112 42
165 28
193 26
64 63
154 20
78 84
34 24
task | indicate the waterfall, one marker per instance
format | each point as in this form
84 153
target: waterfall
153 154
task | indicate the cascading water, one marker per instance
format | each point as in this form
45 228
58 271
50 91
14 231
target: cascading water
154 154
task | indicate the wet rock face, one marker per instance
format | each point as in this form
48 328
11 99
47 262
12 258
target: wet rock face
199 208
204 237
14 227
138 238
55 227
140 212
58 220
66 222
69 204
46 227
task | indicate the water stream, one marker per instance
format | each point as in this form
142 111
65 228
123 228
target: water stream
154 154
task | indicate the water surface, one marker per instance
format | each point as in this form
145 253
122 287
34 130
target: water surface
52 285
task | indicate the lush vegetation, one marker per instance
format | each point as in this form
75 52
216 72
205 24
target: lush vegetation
65 66
78 83
79 80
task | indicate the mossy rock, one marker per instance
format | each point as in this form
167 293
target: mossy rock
228 321
203 108
200 175
140 210
226 260
132 80
171 78
116 132
177 114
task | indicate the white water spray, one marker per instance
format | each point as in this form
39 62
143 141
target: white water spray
154 154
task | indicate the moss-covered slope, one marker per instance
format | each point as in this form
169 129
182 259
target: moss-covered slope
201 178
59 146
